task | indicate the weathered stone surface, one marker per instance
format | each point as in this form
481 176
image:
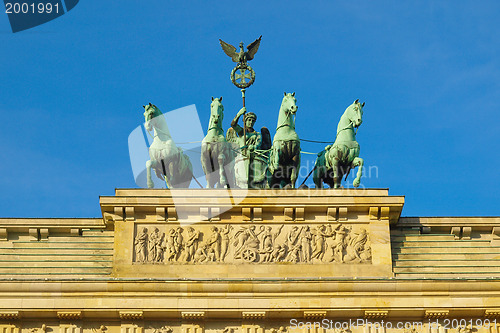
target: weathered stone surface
90 275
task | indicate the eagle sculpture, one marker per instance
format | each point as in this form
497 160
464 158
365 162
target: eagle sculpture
242 56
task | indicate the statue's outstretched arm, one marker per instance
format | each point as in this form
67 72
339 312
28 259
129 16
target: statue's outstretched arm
238 115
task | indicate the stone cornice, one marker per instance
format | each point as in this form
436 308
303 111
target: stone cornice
60 224
176 313
449 221
350 202
329 287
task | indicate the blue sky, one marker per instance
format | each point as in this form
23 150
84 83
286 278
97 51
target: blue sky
72 90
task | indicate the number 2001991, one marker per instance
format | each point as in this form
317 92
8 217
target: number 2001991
31 8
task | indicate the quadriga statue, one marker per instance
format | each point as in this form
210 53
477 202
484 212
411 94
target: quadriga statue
338 159
168 160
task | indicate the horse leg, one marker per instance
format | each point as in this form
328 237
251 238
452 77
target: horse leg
229 166
321 172
295 163
270 179
358 162
336 179
294 172
172 173
318 176
329 178
341 173
221 159
166 173
168 176
148 174
184 171
229 170
206 163
211 175
274 181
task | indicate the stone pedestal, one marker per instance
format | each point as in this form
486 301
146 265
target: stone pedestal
252 233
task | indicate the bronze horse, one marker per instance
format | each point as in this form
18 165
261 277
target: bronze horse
338 159
217 157
284 160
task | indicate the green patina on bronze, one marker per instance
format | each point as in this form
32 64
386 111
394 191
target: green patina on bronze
168 160
284 159
242 57
338 159
217 157
251 147
252 150
246 158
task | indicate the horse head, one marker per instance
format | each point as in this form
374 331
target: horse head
216 113
355 113
150 113
289 104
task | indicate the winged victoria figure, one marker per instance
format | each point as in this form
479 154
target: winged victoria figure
242 56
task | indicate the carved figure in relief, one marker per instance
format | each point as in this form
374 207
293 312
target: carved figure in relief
204 254
155 246
305 244
357 248
211 254
101 329
214 243
163 329
293 236
178 241
339 243
281 329
141 245
246 241
42 329
159 248
200 255
193 237
320 234
279 253
153 237
171 247
466 329
225 241
294 253
267 243
293 244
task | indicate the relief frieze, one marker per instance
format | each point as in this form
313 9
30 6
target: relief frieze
251 244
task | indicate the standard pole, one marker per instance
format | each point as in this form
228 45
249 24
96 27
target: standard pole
244 127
